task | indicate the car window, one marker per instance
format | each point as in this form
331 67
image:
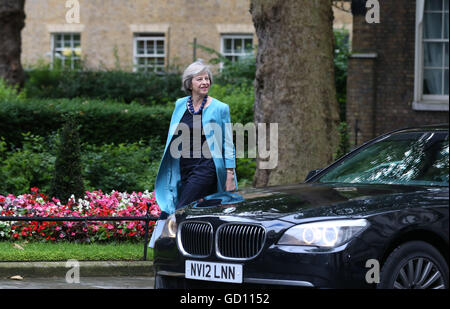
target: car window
404 158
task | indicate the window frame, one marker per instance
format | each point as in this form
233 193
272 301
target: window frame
54 49
149 37
242 36
425 102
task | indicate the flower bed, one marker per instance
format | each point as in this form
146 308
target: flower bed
95 203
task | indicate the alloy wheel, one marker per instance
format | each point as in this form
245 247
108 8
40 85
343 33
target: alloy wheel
419 273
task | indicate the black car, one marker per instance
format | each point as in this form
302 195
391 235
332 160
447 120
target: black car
378 217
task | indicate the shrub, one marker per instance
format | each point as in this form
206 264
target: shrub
9 93
127 87
100 121
28 166
130 167
123 167
239 98
239 72
67 179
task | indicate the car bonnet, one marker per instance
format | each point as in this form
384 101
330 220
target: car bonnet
298 202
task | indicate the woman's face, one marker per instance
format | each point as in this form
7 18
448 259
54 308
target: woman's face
201 84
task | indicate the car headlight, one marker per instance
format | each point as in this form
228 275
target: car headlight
329 234
170 227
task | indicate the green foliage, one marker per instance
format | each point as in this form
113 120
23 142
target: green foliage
341 53
240 99
101 122
10 93
142 87
26 167
63 251
122 167
239 72
67 178
245 170
344 141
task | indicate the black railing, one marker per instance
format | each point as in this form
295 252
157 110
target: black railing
147 218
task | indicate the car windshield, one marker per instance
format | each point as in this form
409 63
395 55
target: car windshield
416 158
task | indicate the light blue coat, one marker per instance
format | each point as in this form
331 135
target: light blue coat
219 136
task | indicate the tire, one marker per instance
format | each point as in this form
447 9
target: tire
414 265
160 283
164 282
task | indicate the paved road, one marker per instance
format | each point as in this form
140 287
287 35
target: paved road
85 283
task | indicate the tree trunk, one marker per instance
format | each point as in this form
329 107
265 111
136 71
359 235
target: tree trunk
294 85
12 20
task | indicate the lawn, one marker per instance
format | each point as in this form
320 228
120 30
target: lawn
63 251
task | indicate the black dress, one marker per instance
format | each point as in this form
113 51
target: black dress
198 171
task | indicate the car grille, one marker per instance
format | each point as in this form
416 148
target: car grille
233 240
196 238
240 241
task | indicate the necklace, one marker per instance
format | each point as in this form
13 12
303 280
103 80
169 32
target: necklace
191 107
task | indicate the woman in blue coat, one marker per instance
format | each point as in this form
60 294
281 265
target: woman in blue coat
199 156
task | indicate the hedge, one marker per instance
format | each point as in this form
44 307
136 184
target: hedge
101 122
106 122
144 88
123 167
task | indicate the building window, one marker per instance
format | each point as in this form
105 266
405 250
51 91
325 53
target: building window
236 46
149 52
66 50
431 74
435 48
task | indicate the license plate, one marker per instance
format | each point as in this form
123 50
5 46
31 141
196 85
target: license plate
210 271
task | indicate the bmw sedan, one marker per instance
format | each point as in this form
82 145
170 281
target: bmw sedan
376 218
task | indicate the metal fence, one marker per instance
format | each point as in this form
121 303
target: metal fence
147 218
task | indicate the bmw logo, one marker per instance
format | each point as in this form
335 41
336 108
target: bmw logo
229 210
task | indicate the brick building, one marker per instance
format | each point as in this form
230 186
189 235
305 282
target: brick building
398 70
135 34
146 35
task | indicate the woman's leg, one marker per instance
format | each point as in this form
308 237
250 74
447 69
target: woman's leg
191 192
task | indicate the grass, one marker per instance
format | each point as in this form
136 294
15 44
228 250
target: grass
63 251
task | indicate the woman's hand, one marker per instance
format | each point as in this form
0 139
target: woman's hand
230 185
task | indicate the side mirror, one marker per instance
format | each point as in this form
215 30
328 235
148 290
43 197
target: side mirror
313 173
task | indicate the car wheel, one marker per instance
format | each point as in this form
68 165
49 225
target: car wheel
414 265
160 283
163 282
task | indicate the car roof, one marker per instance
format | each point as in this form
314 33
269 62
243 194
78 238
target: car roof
430 128
433 127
